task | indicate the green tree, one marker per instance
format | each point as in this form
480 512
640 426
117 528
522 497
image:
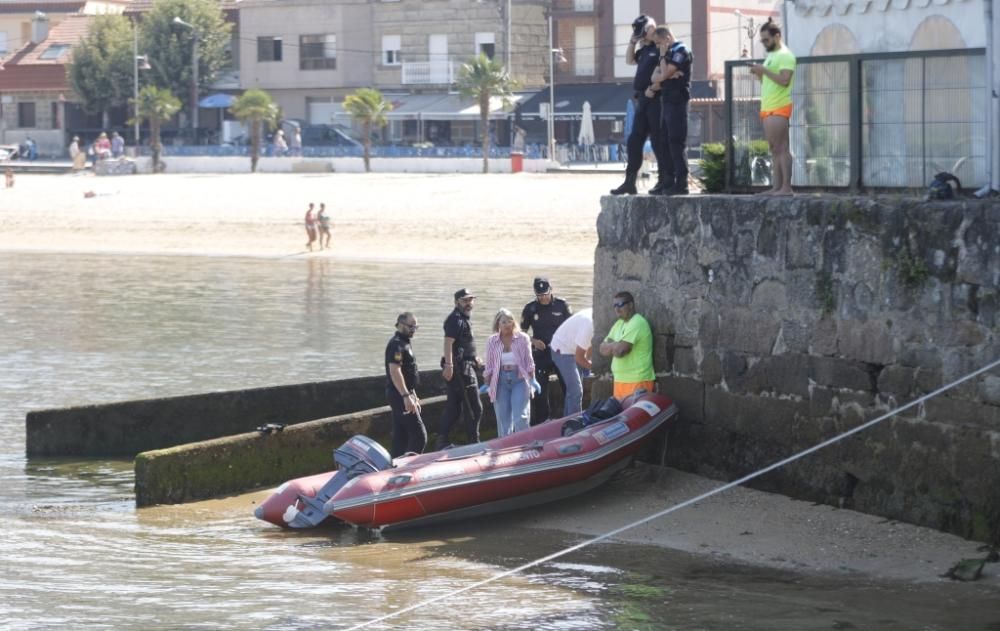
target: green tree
255 108
157 106
100 71
482 79
368 107
170 45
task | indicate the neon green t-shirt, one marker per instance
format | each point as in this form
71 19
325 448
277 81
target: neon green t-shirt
772 95
637 365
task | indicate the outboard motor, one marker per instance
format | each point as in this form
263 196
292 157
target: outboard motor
358 456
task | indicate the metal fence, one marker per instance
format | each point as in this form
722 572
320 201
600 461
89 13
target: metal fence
880 120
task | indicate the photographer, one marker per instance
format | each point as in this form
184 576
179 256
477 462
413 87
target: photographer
673 82
647 111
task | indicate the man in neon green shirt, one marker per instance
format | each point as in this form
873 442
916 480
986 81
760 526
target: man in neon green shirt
776 75
629 343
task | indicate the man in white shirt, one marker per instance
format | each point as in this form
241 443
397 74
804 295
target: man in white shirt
571 346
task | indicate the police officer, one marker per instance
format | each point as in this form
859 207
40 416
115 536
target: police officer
542 316
401 379
647 111
458 367
674 86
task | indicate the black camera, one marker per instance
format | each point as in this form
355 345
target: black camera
639 26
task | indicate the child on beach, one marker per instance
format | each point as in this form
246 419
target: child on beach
310 227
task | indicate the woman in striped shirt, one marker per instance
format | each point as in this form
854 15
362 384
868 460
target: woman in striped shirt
509 373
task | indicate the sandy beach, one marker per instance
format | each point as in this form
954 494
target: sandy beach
460 219
445 218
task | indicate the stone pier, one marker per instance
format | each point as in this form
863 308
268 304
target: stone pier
783 322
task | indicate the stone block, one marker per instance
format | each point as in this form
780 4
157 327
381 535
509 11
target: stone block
964 333
768 417
687 394
831 372
870 342
989 389
734 366
800 250
685 362
770 295
824 337
963 413
778 374
769 237
711 369
793 337
708 325
748 331
897 381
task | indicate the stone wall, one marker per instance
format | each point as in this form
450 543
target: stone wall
780 323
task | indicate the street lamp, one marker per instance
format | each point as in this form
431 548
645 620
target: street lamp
136 57
552 92
194 76
739 33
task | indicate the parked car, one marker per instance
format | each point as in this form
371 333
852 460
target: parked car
319 135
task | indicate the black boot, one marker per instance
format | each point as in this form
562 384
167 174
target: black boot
661 188
627 187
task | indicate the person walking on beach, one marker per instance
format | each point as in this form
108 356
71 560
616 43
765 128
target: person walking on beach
509 374
324 227
310 227
776 76
630 345
280 146
401 379
571 347
542 316
296 146
77 155
458 367
117 145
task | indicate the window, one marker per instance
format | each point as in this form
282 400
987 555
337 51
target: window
25 114
3 42
585 53
486 44
583 5
317 52
268 49
54 51
622 34
55 115
390 50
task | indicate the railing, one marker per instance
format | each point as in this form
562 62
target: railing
880 120
428 72
564 153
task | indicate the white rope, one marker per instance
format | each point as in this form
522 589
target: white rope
685 503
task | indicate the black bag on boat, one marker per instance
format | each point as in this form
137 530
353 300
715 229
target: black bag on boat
600 410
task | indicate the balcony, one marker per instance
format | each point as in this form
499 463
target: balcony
428 72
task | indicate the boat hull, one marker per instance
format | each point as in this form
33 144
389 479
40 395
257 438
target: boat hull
529 467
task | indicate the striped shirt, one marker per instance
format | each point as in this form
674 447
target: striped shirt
520 345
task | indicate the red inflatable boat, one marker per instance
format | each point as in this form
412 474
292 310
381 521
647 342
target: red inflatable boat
550 461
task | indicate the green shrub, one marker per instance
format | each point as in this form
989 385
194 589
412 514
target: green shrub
713 167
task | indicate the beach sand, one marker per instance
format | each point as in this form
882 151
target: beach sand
445 218
520 218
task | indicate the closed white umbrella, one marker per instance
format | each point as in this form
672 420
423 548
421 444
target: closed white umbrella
586 136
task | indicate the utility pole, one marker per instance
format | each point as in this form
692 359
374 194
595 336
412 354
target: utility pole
194 76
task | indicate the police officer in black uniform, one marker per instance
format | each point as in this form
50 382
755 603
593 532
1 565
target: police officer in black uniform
542 316
401 379
647 112
675 94
458 367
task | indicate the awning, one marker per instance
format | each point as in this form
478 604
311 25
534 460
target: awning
442 107
607 100
217 101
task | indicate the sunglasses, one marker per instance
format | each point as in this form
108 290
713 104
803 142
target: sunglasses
621 303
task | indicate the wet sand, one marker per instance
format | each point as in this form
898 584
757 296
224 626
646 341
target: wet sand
445 218
457 219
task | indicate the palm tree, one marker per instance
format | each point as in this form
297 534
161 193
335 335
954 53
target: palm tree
256 108
367 107
156 105
482 79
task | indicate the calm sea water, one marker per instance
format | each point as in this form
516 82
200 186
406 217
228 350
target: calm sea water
76 554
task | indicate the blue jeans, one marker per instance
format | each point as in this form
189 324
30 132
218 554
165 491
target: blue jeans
570 373
513 402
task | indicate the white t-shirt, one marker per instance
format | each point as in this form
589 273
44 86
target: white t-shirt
578 330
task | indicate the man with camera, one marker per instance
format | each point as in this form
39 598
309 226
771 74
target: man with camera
647 112
672 81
